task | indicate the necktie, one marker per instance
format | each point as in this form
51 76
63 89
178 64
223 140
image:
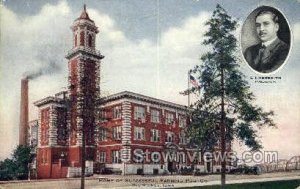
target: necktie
258 60
261 53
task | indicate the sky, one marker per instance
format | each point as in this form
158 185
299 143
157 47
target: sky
148 45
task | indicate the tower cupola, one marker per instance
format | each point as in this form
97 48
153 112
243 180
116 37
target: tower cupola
84 35
84 14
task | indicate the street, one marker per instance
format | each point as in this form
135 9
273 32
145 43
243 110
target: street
136 181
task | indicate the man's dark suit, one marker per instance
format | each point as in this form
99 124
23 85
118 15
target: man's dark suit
269 59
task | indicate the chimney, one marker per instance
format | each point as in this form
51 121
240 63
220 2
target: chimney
23 127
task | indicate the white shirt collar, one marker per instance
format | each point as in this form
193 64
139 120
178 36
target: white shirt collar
267 43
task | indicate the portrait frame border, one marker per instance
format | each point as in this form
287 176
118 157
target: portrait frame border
290 45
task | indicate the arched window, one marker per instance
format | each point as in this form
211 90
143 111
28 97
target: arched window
90 40
75 40
82 38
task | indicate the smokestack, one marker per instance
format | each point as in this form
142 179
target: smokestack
23 127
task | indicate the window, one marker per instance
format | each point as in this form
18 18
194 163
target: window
155 135
170 137
139 113
90 40
82 38
181 157
102 134
102 157
75 40
169 118
117 112
139 133
116 157
106 114
45 116
155 116
117 132
182 138
182 121
156 158
102 115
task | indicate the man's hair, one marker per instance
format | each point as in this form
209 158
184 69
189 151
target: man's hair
274 16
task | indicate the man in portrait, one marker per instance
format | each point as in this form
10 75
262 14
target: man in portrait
271 52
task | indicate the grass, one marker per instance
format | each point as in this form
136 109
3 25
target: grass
284 184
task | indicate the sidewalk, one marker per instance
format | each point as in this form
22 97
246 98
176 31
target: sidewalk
136 181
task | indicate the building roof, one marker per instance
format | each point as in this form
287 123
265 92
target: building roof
48 100
136 96
84 15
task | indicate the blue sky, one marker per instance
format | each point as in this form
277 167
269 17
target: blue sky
148 46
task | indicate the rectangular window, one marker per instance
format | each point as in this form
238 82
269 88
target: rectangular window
116 157
117 132
182 121
182 157
155 116
102 157
45 121
102 134
170 137
170 118
102 114
155 135
117 112
182 138
139 133
139 113
156 158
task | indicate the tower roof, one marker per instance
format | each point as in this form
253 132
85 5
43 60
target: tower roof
84 14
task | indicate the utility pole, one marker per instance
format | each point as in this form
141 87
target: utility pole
222 127
83 159
85 121
189 100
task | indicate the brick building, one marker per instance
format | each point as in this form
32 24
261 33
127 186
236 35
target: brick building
125 132
135 127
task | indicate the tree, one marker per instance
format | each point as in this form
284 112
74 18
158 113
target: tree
225 109
17 166
7 170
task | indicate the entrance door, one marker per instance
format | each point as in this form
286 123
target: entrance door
170 167
208 167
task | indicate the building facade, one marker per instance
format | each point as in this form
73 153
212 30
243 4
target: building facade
136 132
64 117
128 133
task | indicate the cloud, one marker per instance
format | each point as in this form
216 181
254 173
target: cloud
132 65
39 43
32 44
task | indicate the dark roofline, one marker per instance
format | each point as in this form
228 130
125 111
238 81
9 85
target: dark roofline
48 100
132 95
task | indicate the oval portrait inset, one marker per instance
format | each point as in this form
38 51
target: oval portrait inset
265 39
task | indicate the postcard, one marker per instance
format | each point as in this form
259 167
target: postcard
149 94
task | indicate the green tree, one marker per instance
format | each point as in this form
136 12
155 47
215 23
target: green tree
225 101
7 170
17 166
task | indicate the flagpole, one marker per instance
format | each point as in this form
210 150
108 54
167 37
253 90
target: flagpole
189 72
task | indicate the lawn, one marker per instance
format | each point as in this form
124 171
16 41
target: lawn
290 184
